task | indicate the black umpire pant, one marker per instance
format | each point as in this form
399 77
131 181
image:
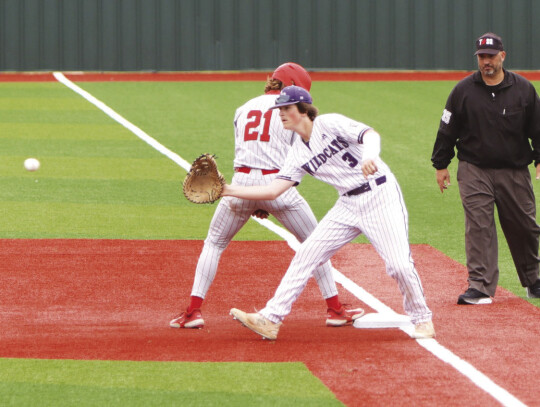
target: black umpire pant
510 189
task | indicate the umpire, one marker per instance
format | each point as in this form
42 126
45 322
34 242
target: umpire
489 118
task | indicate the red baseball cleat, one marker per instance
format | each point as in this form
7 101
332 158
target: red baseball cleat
184 320
343 316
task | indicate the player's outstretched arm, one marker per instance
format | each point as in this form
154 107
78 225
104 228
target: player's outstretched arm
258 193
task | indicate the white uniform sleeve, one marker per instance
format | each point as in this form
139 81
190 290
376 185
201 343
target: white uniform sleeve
343 126
292 170
236 115
372 145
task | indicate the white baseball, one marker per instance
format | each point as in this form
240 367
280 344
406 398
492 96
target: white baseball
31 164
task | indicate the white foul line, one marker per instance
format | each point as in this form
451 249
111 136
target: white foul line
444 354
465 368
128 125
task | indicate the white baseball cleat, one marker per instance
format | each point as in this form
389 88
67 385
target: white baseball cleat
257 323
424 330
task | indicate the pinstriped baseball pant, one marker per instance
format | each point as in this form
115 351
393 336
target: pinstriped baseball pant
381 216
290 209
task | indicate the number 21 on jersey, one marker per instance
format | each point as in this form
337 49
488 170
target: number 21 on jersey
250 131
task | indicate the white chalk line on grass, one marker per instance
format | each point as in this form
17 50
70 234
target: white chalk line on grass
431 345
128 125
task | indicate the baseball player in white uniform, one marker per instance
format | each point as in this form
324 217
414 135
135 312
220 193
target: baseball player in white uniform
261 146
345 154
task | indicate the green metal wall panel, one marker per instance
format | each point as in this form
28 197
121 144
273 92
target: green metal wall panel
184 35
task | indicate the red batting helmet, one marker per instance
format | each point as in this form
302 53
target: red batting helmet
292 74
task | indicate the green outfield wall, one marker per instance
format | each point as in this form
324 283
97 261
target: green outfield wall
187 35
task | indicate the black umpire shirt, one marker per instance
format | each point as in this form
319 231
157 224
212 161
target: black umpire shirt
490 125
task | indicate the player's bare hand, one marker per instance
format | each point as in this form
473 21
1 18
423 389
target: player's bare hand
369 167
443 179
538 171
261 214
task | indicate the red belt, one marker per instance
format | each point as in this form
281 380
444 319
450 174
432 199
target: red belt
247 170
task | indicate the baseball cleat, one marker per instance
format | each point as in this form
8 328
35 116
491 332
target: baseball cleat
257 323
424 330
343 316
191 320
474 297
533 291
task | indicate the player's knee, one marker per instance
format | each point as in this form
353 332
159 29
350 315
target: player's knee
216 244
396 270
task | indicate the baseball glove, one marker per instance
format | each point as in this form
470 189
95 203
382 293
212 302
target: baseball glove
203 183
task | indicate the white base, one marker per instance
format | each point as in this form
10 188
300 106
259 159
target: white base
382 320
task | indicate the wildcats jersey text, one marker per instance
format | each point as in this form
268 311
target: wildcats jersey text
333 154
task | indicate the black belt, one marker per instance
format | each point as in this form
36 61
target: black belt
365 187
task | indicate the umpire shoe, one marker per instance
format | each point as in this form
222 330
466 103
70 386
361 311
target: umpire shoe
474 297
533 291
344 316
424 330
188 320
257 323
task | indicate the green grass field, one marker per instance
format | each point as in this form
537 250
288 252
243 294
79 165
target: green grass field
98 180
101 383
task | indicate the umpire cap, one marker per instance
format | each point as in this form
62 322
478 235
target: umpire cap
489 43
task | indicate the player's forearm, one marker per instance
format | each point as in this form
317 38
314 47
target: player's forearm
257 193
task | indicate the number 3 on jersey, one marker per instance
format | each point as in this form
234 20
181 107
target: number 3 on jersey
348 158
250 131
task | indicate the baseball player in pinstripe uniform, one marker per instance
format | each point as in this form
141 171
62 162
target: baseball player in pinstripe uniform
345 154
261 146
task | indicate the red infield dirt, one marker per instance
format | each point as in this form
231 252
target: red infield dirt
113 299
